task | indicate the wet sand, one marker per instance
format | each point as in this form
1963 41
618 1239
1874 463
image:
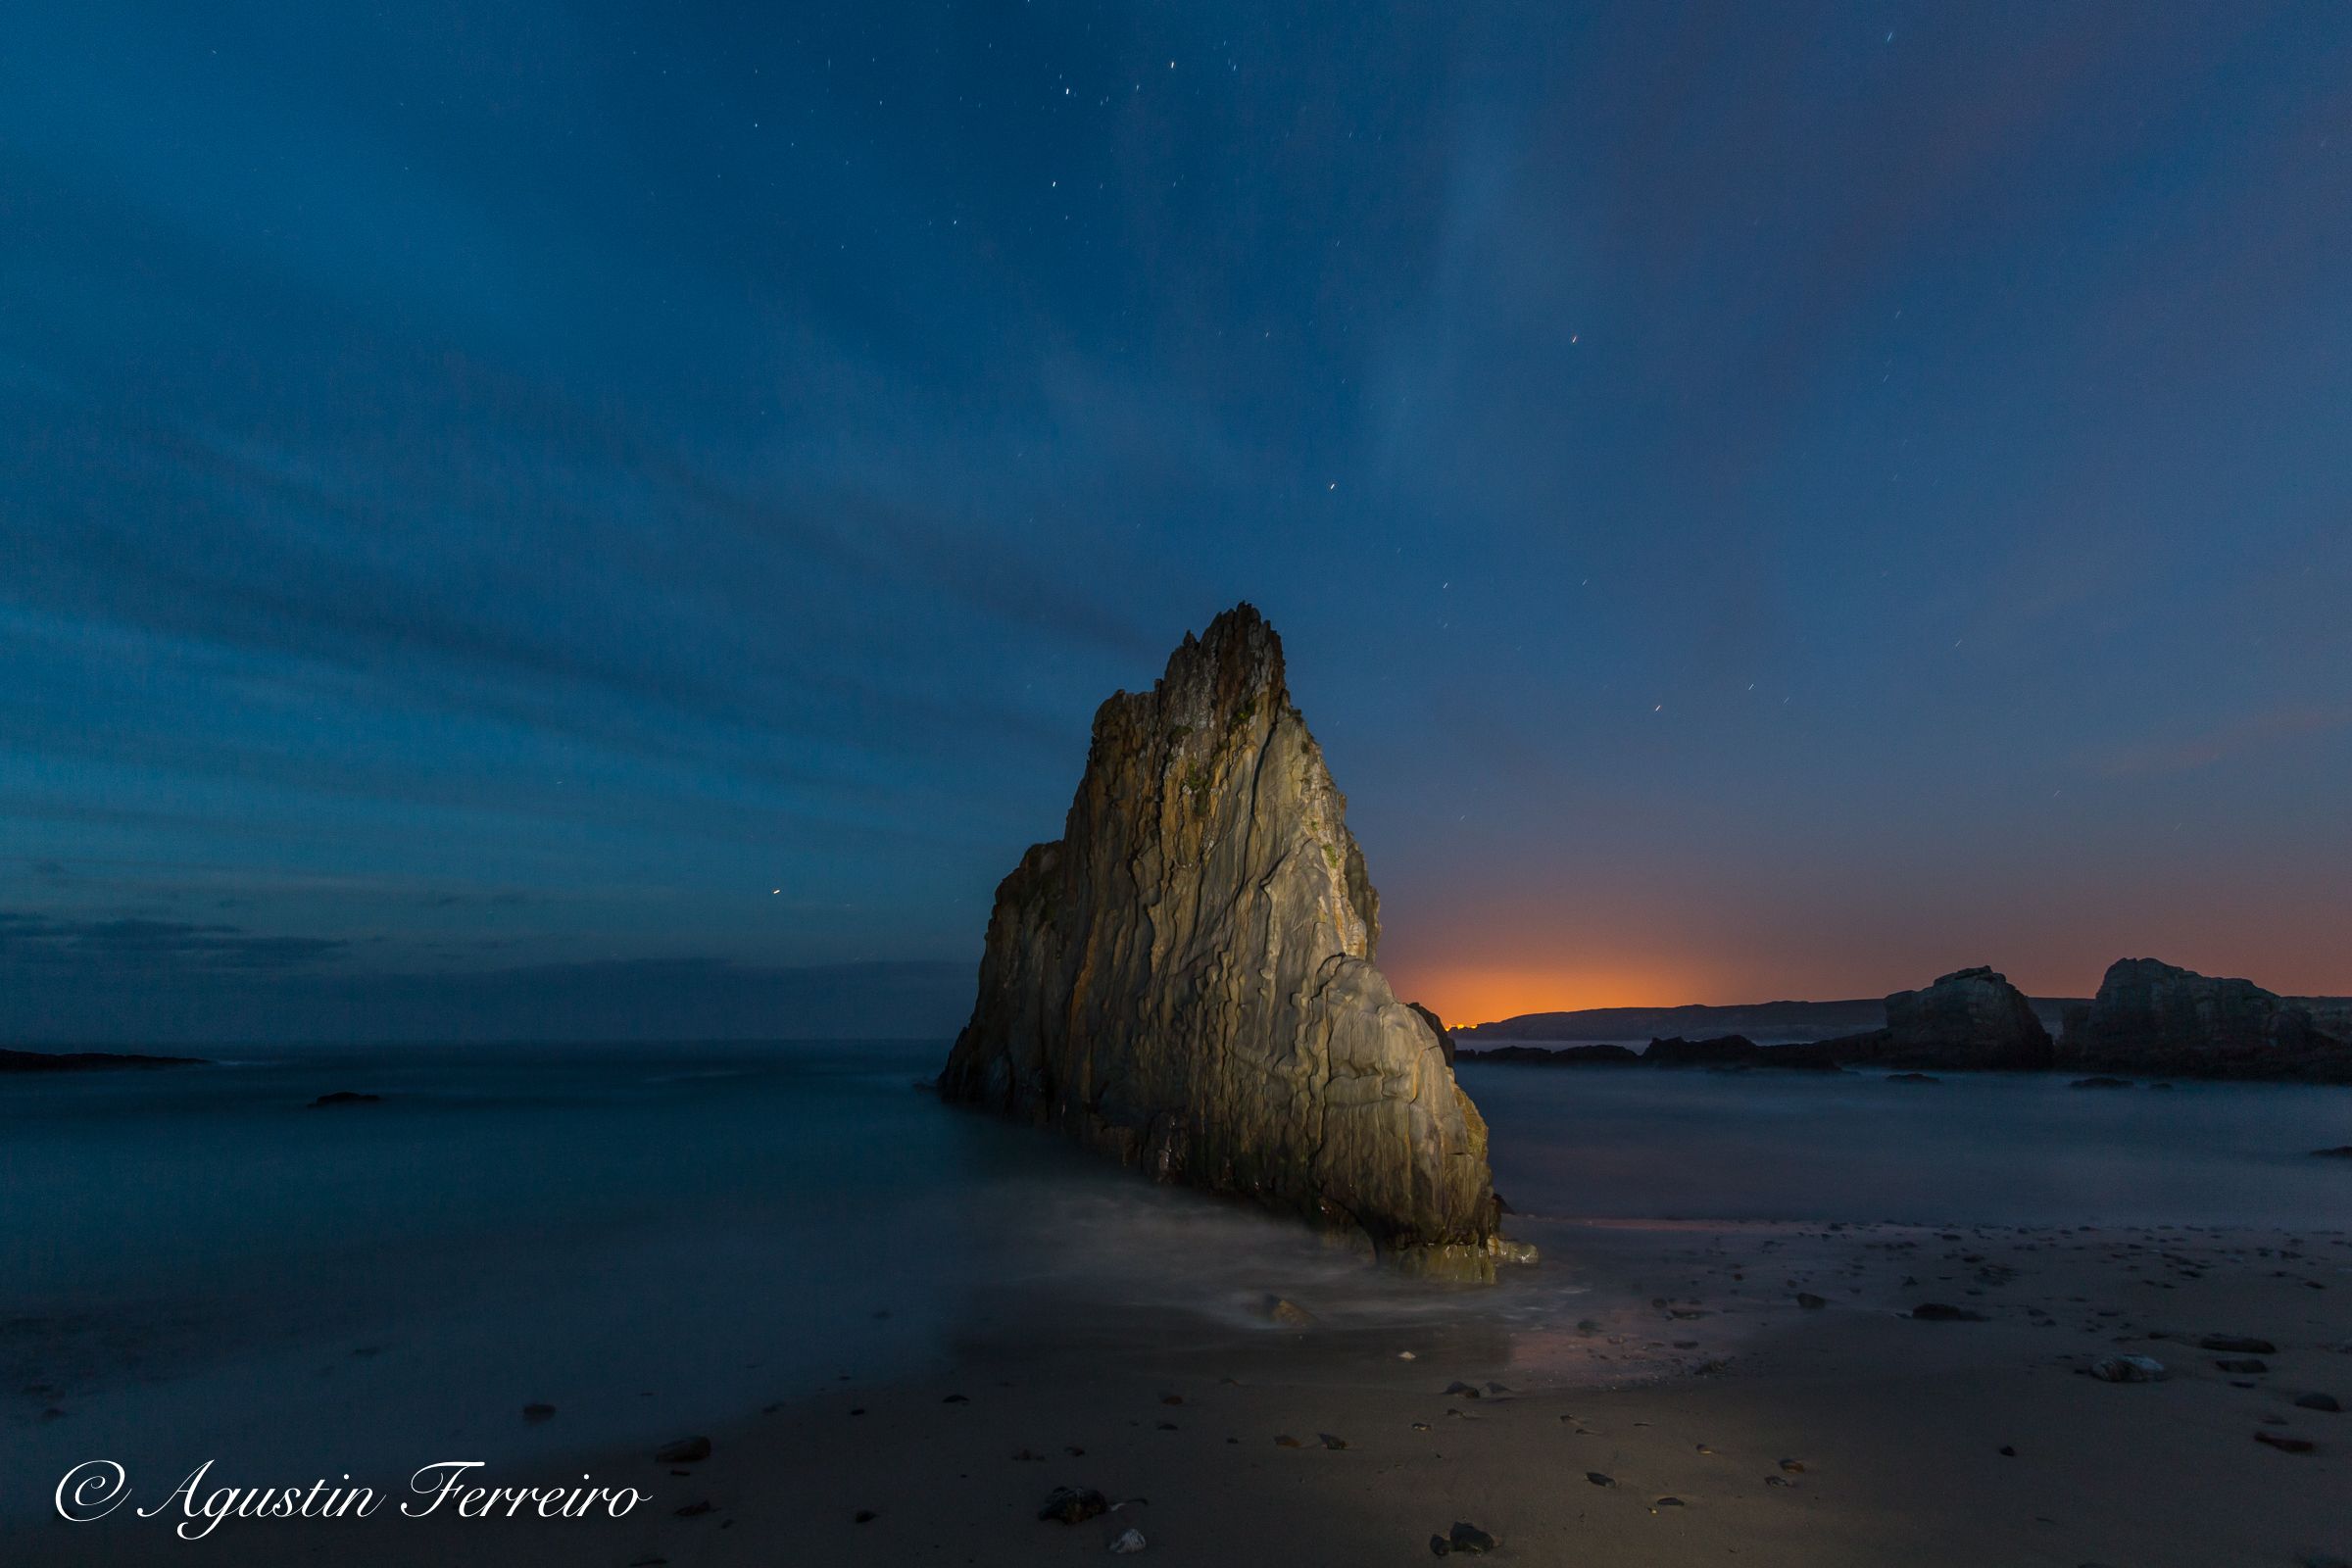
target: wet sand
1700 1414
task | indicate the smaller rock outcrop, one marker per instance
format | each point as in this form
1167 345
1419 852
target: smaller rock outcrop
1968 1019
1724 1051
2151 1016
1437 1027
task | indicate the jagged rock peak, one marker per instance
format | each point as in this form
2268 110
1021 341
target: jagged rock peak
1185 979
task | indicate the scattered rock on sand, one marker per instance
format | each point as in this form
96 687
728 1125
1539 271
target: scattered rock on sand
1809 1301
1287 1312
2285 1443
345 1096
2127 1369
1073 1505
686 1450
1599 1480
1913 1078
2242 1365
2339 1152
2326 1403
2237 1344
1131 1540
1945 1312
1465 1537
2100 1082
536 1414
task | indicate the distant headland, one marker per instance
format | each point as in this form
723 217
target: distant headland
2149 1017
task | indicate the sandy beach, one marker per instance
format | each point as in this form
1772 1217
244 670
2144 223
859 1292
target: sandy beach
1698 1415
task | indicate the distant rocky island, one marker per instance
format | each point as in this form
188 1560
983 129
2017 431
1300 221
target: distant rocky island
2148 1018
1185 979
87 1060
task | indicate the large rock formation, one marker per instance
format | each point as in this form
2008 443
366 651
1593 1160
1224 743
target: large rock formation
1968 1019
2156 1018
1185 979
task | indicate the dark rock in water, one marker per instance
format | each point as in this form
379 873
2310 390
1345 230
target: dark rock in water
1912 1078
2340 1152
686 1450
1565 1057
1968 1019
1809 1301
2324 1402
345 1096
1944 1312
2285 1443
1185 979
2243 1366
536 1414
2100 1082
1724 1051
2237 1344
1071 1505
2155 1017
88 1061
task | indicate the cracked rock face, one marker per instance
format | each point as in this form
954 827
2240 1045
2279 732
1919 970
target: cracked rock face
1185 979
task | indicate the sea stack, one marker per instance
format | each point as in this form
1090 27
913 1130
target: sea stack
2151 1016
1185 979
1968 1019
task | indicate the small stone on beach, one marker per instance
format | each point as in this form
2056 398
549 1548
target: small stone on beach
686 1450
1073 1505
2127 1369
1466 1539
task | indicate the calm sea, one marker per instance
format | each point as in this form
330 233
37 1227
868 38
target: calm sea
651 1237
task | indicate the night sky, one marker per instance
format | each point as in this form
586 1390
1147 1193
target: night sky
553 519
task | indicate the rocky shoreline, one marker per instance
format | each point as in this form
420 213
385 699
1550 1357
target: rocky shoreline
2149 1020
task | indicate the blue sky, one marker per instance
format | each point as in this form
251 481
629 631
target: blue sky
1759 502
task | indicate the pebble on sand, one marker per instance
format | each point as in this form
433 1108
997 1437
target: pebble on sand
1073 1505
1465 1537
686 1450
2128 1369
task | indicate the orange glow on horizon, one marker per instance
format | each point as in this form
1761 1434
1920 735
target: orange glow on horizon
1467 996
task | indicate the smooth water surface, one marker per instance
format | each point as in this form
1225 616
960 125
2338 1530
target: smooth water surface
654 1239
